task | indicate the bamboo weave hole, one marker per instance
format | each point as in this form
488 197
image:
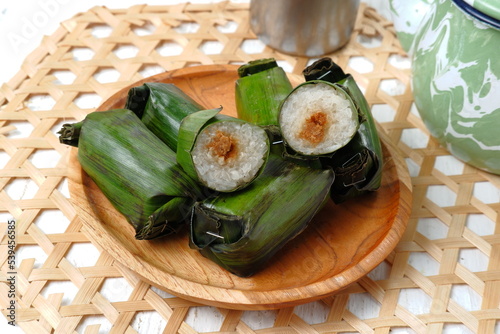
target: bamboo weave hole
385 288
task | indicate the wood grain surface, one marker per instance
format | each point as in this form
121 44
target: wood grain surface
342 244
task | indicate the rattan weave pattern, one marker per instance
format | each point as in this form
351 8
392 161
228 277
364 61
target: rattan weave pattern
38 99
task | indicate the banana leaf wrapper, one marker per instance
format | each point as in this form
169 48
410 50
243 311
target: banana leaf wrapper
161 107
242 231
135 170
221 152
358 165
261 87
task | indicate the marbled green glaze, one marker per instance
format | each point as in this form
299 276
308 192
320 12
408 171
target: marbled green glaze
456 83
407 16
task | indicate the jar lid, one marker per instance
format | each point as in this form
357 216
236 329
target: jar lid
488 7
486 11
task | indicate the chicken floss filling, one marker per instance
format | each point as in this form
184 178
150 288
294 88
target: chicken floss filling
223 146
314 128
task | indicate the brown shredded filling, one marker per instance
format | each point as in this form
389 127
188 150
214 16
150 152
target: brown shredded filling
314 128
223 145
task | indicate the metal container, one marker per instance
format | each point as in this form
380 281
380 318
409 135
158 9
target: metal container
303 27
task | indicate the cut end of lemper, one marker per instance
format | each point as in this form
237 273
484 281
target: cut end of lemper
229 155
317 119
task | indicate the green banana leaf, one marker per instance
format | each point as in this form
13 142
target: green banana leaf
135 170
260 88
241 231
358 165
161 107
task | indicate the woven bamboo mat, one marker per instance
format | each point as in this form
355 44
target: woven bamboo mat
448 259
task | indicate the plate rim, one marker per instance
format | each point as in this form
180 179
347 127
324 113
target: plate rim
226 297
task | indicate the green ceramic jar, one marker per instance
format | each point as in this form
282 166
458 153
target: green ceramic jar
456 79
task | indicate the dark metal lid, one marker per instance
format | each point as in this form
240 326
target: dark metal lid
478 13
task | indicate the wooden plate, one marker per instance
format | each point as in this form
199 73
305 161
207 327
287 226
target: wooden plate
343 243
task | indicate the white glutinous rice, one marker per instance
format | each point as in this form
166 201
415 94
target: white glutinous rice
317 119
229 154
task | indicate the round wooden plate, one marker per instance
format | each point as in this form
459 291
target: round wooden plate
341 245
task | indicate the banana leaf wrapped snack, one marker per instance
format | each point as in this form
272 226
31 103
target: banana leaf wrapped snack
357 165
310 126
221 152
241 231
135 170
